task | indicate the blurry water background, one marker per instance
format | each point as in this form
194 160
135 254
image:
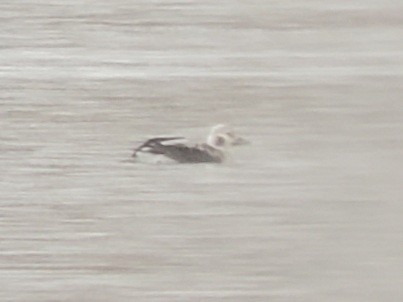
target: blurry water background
311 211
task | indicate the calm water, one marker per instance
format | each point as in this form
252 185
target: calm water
311 211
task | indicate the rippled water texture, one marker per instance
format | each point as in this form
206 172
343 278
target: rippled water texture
310 211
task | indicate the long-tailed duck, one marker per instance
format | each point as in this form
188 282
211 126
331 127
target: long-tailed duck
213 151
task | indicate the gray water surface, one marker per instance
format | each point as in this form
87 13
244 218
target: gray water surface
310 211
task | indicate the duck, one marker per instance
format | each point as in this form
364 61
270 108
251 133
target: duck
214 150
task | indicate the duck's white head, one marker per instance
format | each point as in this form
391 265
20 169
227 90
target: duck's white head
223 135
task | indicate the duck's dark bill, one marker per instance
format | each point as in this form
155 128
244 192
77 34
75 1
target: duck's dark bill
241 141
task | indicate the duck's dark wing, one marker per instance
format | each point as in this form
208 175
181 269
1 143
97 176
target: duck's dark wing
182 153
147 146
179 152
185 154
